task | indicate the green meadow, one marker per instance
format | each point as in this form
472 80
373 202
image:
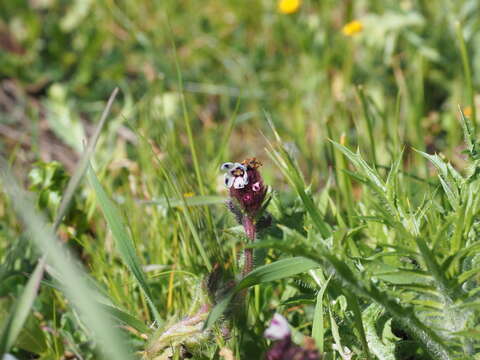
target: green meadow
116 117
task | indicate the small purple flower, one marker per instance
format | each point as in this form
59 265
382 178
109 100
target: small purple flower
245 184
284 348
247 201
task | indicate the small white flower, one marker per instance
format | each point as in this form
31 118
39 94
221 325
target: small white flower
278 329
236 175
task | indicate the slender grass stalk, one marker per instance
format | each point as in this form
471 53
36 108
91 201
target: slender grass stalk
467 72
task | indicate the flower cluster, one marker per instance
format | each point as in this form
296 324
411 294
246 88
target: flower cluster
246 187
248 199
284 348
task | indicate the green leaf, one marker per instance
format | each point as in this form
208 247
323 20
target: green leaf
275 271
449 178
126 318
383 349
357 316
317 328
290 170
188 201
122 238
17 318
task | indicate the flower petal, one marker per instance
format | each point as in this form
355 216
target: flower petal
278 329
229 180
227 166
245 177
238 183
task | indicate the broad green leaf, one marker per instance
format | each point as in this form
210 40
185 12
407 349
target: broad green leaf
275 271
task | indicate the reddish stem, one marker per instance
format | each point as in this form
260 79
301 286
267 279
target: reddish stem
250 230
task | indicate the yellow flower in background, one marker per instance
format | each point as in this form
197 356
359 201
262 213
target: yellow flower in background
352 28
188 194
467 111
288 6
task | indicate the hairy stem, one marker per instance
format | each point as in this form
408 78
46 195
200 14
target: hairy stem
250 231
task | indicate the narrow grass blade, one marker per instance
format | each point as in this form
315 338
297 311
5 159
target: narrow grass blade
368 118
336 337
275 271
188 201
122 238
467 71
126 318
24 306
83 163
291 172
357 316
317 328
17 318
74 283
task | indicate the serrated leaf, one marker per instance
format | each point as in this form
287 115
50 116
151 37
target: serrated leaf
383 349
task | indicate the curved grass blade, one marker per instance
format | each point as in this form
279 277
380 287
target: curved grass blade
188 201
289 168
123 240
26 300
73 277
126 318
317 328
17 318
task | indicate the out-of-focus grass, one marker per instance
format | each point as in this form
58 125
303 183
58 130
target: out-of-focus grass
393 87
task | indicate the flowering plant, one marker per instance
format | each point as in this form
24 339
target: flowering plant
248 199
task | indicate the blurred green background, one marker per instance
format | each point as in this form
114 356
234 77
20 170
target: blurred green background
60 60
